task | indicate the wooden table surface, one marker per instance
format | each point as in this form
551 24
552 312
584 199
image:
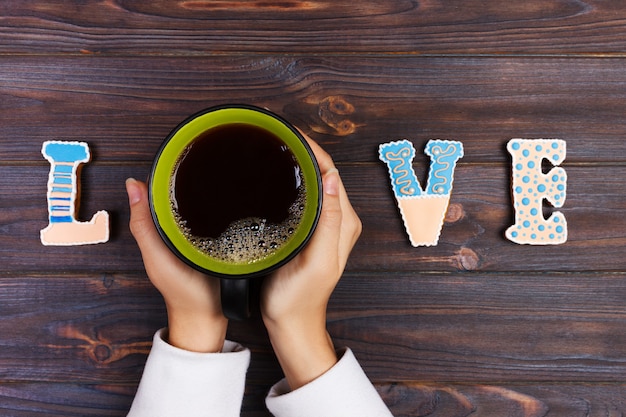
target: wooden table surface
476 325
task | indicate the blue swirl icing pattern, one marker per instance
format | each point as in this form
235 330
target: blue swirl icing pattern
443 157
399 158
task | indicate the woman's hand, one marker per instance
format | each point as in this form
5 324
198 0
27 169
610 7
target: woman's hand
192 299
294 298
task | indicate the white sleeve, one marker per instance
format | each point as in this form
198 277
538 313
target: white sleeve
177 382
343 391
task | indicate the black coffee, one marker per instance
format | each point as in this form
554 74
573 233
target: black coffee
238 193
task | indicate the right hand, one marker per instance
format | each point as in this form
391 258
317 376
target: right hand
294 298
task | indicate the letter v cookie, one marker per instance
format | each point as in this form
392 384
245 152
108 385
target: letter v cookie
423 210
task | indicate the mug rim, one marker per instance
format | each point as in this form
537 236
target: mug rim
174 145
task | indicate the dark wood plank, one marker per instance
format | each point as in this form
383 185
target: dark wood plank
124 107
483 328
65 400
471 240
60 328
408 399
199 27
415 399
470 329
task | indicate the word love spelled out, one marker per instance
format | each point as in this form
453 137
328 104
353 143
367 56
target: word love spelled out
423 210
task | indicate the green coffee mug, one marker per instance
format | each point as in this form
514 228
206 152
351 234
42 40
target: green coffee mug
235 192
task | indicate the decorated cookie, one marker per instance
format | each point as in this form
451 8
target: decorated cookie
63 229
422 210
531 186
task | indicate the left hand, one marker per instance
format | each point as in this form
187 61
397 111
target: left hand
194 311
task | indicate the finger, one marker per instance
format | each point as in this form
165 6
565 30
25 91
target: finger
141 224
326 239
350 225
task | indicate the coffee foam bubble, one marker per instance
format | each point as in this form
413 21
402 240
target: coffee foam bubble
249 240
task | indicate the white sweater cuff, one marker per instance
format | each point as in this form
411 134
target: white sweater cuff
172 376
343 391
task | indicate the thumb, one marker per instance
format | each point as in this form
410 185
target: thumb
140 217
331 207
327 235
141 223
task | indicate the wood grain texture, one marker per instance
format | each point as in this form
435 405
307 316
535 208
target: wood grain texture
350 104
319 26
475 326
55 325
516 401
440 327
404 399
481 328
64 400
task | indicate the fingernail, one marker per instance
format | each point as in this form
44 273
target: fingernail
331 182
133 191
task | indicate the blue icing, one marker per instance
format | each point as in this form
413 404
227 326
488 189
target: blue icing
399 158
66 151
61 219
63 181
443 157
63 169
61 189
